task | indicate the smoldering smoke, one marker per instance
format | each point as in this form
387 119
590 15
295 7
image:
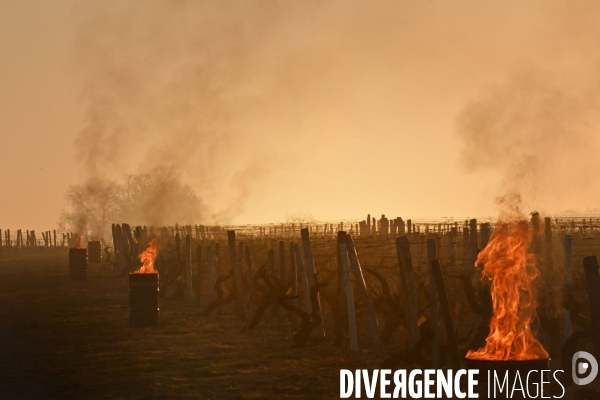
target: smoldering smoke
164 84
223 92
539 133
157 197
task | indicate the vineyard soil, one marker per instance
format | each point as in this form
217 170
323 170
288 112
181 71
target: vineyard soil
62 339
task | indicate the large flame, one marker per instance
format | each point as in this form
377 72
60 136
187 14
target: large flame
147 257
512 269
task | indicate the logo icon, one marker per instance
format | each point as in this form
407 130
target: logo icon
590 364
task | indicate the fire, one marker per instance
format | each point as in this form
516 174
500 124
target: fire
512 269
147 257
78 244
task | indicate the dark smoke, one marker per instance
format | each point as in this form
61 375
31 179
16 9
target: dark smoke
171 86
156 198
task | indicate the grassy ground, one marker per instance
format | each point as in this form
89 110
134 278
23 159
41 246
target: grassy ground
61 339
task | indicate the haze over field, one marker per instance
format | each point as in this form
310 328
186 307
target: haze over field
268 109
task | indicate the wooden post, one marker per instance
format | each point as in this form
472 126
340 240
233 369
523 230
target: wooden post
340 292
217 256
293 283
433 307
590 266
212 294
474 239
188 268
54 232
568 262
310 271
240 256
366 299
131 243
446 314
250 273
536 245
119 248
423 251
178 249
197 281
383 226
303 279
271 259
235 265
452 246
548 260
468 262
409 288
281 277
349 294
485 234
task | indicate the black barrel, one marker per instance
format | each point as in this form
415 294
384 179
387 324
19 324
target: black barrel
143 299
94 252
78 264
500 369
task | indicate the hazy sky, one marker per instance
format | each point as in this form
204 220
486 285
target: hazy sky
270 108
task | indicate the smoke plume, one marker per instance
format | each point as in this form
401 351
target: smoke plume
228 94
156 198
539 130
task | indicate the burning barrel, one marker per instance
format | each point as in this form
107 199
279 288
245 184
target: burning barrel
513 364
94 252
78 264
143 299
525 374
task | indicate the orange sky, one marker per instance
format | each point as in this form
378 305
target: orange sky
270 109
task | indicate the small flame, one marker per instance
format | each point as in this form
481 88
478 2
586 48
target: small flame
78 244
147 257
512 269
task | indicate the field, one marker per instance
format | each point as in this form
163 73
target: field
71 340
66 339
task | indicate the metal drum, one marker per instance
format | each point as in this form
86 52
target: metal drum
500 369
78 264
94 252
143 299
